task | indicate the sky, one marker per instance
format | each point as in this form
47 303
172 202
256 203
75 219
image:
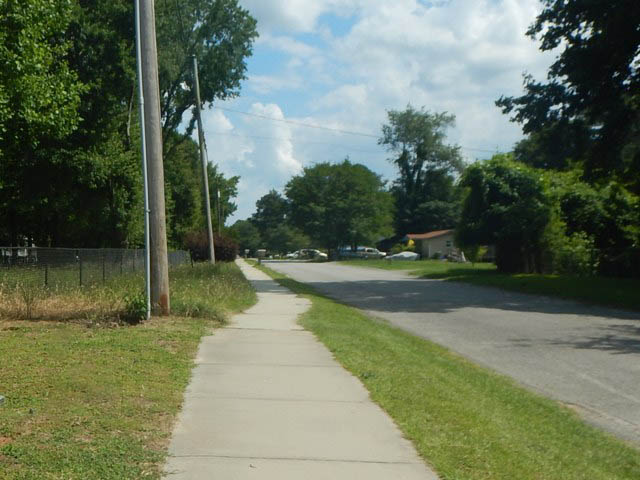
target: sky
343 64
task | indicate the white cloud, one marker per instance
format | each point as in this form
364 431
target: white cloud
265 84
457 56
259 150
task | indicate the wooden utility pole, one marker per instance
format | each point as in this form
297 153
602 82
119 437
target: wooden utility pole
203 159
157 220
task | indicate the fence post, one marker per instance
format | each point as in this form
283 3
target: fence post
104 276
46 275
80 268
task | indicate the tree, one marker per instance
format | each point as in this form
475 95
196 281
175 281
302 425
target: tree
245 233
505 205
593 84
220 34
424 192
39 93
284 239
228 188
607 216
562 146
183 176
340 204
39 98
68 86
272 210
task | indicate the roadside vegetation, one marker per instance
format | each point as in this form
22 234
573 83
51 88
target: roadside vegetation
89 396
465 421
606 291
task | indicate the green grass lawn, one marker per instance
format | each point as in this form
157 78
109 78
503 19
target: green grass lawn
94 399
465 421
613 292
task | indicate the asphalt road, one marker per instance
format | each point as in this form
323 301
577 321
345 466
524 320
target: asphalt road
586 357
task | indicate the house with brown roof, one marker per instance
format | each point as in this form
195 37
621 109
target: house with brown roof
431 243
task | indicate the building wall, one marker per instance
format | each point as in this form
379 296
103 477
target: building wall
443 244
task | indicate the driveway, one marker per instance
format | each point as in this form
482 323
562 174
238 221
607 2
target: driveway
584 356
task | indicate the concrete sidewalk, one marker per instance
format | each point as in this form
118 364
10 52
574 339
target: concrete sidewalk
268 401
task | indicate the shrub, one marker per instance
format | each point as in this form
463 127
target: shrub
225 248
475 253
135 309
506 205
576 254
410 246
397 248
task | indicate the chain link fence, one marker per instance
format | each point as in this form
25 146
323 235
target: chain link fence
73 267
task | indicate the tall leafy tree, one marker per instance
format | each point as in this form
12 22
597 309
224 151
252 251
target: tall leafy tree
272 210
592 86
340 204
185 202
39 98
228 190
220 34
39 93
505 205
78 63
246 235
424 193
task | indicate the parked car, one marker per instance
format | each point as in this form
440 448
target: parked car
403 256
370 252
312 254
361 252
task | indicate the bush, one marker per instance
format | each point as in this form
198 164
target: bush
135 309
410 246
225 248
475 253
576 254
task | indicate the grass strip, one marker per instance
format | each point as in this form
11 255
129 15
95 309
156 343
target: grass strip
98 402
606 291
465 421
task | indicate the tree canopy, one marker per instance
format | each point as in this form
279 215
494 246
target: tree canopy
424 193
68 86
506 206
592 87
220 34
272 210
340 204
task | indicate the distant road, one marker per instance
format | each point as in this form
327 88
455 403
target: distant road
586 357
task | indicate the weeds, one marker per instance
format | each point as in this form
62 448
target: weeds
201 291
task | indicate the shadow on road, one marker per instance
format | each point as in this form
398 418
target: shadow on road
439 297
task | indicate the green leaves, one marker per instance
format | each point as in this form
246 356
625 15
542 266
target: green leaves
40 94
505 205
340 204
592 84
424 191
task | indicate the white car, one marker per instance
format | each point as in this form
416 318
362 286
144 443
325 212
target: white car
312 253
369 252
403 256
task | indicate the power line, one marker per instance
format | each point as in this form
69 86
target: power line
300 124
321 127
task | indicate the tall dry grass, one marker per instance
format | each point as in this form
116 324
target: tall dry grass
202 290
